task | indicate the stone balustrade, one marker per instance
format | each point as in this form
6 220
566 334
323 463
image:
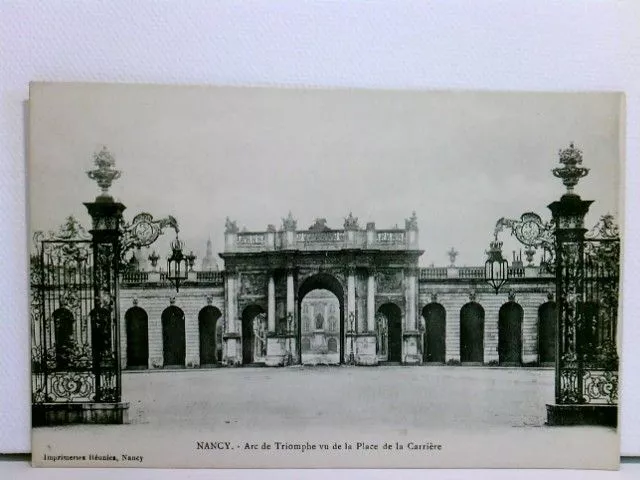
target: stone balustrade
158 278
477 273
370 238
427 274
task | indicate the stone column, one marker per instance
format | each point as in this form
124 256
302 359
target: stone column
411 336
290 294
232 339
411 300
351 296
232 303
371 301
271 305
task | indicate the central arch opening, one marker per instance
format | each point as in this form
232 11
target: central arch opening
321 321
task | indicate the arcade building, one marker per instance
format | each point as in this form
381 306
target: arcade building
332 296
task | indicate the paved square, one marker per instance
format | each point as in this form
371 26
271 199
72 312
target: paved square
341 397
482 417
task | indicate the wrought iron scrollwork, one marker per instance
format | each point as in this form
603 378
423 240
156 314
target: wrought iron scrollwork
74 350
534 233
588 278
142 232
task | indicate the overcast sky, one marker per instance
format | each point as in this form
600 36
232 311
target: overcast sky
460 160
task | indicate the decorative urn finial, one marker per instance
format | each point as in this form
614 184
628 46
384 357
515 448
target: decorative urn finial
105 173
572 171
453 253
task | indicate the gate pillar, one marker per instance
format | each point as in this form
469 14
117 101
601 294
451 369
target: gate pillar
572 404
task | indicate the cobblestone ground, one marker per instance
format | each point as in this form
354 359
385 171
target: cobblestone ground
340 397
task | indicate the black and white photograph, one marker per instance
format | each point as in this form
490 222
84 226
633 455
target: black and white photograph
298 277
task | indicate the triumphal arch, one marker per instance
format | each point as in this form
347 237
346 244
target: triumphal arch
371 273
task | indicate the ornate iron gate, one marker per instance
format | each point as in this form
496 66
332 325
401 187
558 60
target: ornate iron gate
75 335
588 278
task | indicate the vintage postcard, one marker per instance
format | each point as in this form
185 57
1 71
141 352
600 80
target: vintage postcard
303 277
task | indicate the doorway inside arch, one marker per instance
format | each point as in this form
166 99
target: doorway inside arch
547 333
173 337
254 329
207 323
136 320
510 334
321 321
472 333
435 333
393 315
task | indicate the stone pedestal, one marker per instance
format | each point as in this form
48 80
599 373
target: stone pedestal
48 414
275 352
366 348
279 348
153 277
605 415
319 342
410 352
233 349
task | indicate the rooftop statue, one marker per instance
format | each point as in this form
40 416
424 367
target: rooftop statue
230 227
289 223
320 225
411 223
351 222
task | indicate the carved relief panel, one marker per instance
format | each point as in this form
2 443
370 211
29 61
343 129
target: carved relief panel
390 282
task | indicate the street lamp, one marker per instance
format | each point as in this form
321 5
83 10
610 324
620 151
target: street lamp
496 268
177 264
